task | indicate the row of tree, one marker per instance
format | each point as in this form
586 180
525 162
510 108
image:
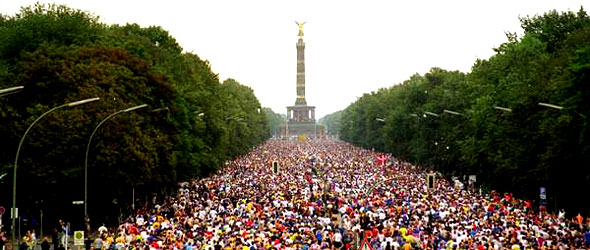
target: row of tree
193 123
332 123
494 122
274 121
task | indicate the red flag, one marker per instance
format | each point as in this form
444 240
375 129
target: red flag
381 159
308 178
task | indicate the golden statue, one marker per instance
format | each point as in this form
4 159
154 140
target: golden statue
300 28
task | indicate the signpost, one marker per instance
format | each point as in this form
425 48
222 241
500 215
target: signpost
79 238
542 196
542 193
430 180
275 167
365 245
472 179
14 213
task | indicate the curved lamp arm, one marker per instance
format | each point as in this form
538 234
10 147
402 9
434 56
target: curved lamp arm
71 104
88 150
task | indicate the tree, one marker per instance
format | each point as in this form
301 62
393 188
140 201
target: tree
531 144
61 55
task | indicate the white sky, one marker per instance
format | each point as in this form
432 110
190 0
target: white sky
352 47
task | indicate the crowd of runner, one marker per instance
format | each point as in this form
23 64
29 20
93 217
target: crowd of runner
332 195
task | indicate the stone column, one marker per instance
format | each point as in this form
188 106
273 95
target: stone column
288 113
300 73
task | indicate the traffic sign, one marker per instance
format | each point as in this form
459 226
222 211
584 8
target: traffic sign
430 180
365 245
472 179
14 213
79 238
275 167
2 210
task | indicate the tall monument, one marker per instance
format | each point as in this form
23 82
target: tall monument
300 101
300 117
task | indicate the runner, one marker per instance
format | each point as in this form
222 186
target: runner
332 195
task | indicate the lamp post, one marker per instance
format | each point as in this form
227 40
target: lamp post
560 108
88 149
431 113
71 104
503 109
553 106
161 109
12 90
550 105
233 117
453 112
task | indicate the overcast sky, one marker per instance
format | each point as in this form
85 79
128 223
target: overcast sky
352 47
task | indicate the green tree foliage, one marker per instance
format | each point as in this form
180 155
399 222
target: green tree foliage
517 151
332 122
274 121
192 125
245 120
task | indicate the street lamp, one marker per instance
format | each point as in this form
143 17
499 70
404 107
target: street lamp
235 118
550 105
88 149
430 113
161 109
559 108
503 109
71 104
380 119
453 112
12 90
